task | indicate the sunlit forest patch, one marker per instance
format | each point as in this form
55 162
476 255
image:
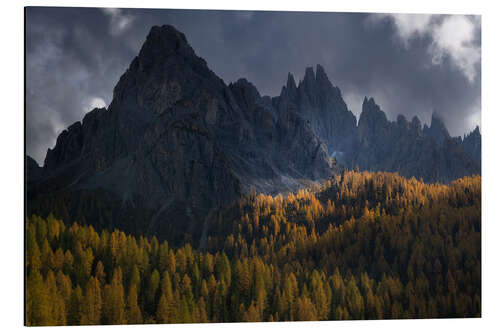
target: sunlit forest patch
362 245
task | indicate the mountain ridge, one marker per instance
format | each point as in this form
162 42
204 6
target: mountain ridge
176 142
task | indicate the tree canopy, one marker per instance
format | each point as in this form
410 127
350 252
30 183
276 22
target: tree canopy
362 245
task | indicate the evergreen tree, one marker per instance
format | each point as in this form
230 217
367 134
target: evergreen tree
92 303
134 315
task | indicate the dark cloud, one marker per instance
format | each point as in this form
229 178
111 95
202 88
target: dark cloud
75 56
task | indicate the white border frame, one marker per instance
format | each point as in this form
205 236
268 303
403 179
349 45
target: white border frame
12 164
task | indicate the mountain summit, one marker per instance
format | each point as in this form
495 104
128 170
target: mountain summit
177 143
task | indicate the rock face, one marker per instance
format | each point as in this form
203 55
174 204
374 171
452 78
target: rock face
437 131
176 143
472 145
33 170
321 104
404 147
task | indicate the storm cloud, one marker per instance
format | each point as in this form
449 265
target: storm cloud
410 64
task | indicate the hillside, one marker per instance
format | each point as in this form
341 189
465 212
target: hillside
361 245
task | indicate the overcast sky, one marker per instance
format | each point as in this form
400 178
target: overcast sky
410 64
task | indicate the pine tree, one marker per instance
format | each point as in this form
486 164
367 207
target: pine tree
162 311
75 311
305 309
92 303
38 310
134 315
152 289
57 305
114 301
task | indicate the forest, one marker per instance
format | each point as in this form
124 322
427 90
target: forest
362 245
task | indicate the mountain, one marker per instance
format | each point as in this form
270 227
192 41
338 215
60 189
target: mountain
374 142
177 143
472 145
321 104
405 147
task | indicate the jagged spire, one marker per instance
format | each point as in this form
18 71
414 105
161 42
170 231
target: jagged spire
309 77
416 124
437 130
401 121
437 122
436 116
368 104
290 83
321 75
371 115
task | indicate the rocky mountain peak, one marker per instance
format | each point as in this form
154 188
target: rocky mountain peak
476 132
437 121
164 50
309 77
290 83
371 114
245 91
416 123
402 122
166 71
289 93
317 85
321 77
163 42
321 104
437 130
368 103
472 144
416 126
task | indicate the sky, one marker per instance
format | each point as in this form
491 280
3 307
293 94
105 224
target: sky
411 64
